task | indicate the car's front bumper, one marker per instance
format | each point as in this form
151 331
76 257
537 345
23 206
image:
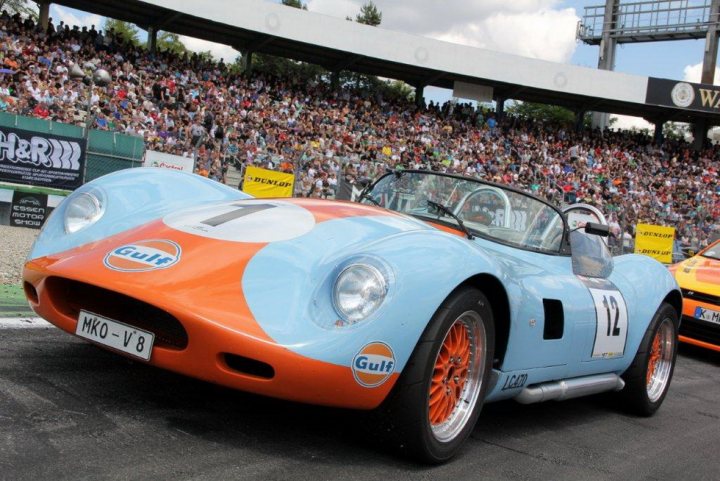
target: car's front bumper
696 331
197 341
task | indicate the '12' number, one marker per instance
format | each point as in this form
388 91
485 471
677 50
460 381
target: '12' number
612 305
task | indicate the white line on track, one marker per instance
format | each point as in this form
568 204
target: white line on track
23 323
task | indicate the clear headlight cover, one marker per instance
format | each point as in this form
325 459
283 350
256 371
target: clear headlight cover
359 291
83 210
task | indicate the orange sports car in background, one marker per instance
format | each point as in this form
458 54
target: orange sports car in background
699 279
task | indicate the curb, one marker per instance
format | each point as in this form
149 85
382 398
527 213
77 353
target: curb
26 322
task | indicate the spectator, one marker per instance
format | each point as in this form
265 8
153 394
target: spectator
180 103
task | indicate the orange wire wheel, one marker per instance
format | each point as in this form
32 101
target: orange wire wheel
660 360
648 378
457 376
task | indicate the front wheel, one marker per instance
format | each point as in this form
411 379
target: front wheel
437 400
648 377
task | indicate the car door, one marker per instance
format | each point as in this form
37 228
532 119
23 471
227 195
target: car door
601 335
546 301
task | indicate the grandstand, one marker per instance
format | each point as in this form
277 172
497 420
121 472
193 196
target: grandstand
189 106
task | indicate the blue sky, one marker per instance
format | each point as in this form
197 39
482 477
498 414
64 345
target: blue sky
660 59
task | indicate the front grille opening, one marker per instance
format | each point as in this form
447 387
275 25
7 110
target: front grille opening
250 367
701 296
702 331
69 297
30 292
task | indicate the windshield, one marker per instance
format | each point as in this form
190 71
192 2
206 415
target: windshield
712 252
487 210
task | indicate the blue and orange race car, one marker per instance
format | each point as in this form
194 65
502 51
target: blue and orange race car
433 295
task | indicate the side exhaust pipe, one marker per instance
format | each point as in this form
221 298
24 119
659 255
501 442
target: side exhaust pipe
570 388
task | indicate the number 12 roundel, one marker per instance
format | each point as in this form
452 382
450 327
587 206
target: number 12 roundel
612 323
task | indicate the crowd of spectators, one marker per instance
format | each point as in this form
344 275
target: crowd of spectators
191 106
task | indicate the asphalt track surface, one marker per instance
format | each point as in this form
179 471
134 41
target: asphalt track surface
69 410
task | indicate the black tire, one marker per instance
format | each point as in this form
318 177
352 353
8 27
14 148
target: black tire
648 378
406 414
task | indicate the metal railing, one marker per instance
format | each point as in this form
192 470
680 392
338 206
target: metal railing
650 20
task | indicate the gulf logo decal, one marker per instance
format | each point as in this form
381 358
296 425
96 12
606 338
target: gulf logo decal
142 256
374 364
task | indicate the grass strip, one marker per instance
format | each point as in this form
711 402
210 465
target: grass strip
34 190
13 302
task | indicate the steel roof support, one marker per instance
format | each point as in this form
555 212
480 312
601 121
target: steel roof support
711 45
608 47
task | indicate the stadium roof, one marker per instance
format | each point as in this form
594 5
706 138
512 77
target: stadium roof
337 44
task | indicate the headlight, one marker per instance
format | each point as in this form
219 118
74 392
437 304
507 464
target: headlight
359 291
83 209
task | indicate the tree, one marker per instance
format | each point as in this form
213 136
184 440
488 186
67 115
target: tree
23 7
676 131
369 15
542 112
170 42
206 56
295 4
127 31
398 90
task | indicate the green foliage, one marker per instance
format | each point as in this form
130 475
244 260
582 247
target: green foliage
295 4
399 90
207 56
23 7
284 67
542 112
676 131
369 15
168 41
127 31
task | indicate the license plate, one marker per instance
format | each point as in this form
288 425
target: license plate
707 315
114 334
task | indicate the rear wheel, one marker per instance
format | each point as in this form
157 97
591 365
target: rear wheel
438 398
648 377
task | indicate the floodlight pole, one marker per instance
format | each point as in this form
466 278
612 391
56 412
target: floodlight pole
102 78
711 45
700 128
608 47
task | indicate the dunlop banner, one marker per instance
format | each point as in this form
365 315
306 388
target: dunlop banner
265 183
685 95
44 160
655 241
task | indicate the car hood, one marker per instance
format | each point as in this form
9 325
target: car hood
220 234
699 274
198 257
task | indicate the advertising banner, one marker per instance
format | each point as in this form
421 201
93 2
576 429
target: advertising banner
263 183
685 95
28 209
168 161
347 190
655 241
44 160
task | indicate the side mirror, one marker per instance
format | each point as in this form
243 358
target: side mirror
597 229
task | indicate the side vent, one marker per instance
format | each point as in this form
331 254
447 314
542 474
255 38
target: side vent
554 319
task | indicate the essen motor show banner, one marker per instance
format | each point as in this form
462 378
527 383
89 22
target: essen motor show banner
40 159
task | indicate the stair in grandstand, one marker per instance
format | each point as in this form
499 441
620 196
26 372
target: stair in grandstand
232 178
